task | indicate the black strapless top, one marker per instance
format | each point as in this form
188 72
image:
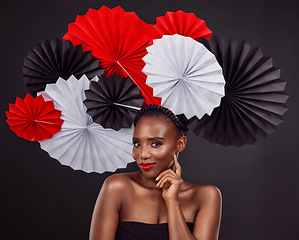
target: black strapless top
144 231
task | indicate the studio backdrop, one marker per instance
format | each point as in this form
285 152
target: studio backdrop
258 178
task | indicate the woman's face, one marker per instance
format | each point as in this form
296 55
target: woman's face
155 142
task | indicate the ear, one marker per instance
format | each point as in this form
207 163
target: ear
181 144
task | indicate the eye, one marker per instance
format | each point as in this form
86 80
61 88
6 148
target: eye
156 144
136 144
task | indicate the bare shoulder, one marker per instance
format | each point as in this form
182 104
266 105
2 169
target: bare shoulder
208 216
118 182
208 193
204 193
118 178
114 190
208 190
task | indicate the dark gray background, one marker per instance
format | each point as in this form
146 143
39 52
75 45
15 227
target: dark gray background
41 199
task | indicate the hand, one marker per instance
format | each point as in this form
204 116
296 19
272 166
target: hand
170 181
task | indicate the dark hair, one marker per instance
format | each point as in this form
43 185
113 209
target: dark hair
156 110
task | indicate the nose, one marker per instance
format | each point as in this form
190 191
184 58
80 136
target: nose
144 153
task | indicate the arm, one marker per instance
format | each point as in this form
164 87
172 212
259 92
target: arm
177 225
105 216
171 182
207 222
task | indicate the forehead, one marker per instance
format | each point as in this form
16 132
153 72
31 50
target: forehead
152 126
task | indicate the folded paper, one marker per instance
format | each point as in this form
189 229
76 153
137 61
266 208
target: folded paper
33 118
185 24
83 144
185 75
53 59
113 102
254 99
119 39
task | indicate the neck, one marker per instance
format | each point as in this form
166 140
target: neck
147 182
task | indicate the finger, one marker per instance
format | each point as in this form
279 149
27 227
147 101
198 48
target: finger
159 184
167 185
178 169
164 173
166 179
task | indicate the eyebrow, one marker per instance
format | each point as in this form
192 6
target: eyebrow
150 139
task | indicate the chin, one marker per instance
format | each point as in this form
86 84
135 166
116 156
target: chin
153 173
150 173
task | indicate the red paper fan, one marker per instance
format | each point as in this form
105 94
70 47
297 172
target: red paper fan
119 40
185 24
33 118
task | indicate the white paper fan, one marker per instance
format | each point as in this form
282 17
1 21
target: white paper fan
81 143
185 75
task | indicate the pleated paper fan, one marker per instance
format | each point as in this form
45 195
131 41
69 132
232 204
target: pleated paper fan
53 59
33 118
119 39
185 75
83 144
185 24
254 99
113 102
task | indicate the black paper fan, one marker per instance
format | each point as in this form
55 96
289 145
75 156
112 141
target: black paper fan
113 102
254 100
50 60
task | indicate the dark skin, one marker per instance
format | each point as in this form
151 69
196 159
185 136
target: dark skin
157 195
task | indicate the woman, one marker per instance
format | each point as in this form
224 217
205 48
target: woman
155 203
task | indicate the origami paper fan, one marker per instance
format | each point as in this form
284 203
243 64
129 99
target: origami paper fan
81 143
113 102
185 24
50 60
33 118
185 75
119 39
254 99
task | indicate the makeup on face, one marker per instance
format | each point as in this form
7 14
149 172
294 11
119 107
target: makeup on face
154 142
146 166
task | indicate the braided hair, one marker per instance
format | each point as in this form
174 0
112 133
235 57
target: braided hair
156 110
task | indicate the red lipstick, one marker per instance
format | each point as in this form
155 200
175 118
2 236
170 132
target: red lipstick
146 166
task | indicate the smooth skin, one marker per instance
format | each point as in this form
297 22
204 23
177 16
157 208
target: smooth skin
157 195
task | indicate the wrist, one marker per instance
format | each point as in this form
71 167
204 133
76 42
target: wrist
172 201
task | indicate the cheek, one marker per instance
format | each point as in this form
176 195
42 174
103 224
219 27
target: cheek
135 153
159 154
163 153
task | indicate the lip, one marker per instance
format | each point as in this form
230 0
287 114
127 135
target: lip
146 166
